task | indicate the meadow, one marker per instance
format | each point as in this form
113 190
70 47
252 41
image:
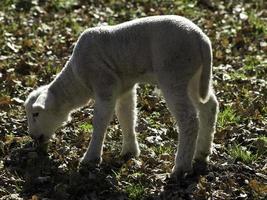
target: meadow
37 38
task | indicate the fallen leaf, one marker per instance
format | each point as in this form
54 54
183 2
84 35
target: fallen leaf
219 54
258 187
35 197
5 100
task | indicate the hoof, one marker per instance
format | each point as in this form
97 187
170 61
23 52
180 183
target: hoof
130 151
182 178
200 167
128 156
88 165
86 168
86 160
180 173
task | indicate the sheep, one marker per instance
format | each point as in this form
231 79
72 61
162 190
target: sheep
106 65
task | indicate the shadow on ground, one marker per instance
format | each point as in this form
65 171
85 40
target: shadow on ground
44 178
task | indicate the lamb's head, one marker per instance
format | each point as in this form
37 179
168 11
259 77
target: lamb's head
43 113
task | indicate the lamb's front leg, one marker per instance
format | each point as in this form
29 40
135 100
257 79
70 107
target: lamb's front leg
102 114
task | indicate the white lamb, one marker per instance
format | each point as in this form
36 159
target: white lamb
107 63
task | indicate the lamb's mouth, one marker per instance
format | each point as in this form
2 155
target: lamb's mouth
41 144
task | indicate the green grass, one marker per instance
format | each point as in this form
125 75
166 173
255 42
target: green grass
241 153
261 144
263 138
159 150
252 67
44 32
238 75
63 4
227 116
86 127
51 69
135 191
257 23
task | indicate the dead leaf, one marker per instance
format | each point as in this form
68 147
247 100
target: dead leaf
225 42
258 187
27 43
35 197
219 54
5 100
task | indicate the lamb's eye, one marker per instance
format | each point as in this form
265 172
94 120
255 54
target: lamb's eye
35 114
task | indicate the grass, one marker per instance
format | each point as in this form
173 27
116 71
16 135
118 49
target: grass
44 32
159 150
257 23
135 191
261 144
241 153
253 67
86 127
238 75
51 69
227 116
263 138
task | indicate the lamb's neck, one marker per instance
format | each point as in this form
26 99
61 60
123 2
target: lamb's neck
68 90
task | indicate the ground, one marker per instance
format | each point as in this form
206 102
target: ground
37 37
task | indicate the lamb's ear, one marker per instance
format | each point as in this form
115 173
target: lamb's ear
43 101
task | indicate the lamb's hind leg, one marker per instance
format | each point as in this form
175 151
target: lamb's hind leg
185 113
207 116
126 113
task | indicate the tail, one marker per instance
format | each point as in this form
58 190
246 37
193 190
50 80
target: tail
206 73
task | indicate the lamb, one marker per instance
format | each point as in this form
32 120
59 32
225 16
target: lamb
106 64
